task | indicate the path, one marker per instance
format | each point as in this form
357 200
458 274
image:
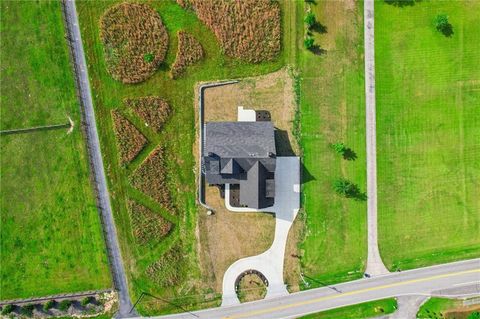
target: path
408 307
270 263
421 281
96 162
375 265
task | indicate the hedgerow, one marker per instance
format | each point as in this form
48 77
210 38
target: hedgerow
129 139
248 29
147 225
189 51
135 41
165 271
150 178
152 109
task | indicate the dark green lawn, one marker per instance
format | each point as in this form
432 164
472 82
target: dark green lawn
51 239
177 136
428 133
333 110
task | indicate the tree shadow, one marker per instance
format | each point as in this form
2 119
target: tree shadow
402 3
318 27
349 154
447 30
314 2
317 50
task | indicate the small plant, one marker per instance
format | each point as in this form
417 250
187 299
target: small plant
85 301
310 20
7 309
442 24
339 148
148 57
474 315
64 305
48 305
27 310
308 42
347 189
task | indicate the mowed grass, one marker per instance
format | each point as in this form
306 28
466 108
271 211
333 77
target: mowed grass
51 239
192 290
364 310
428 133
333 110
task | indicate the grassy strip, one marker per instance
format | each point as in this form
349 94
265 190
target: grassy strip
332 110
51 239
428 128
363 310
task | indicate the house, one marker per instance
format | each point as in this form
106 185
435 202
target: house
243 155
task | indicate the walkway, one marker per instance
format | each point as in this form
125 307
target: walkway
96 162
270 263
375 265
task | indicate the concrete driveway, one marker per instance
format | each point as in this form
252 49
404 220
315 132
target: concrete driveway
270 263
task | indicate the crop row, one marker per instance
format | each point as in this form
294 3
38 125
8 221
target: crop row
189 51
152 109
130 140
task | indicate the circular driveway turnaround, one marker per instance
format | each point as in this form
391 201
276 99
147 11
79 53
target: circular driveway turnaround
270 263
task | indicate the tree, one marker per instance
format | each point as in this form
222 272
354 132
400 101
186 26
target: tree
474 315
308 43
48 305
85 301
347 189
339 148
442 24
27 310
310 20
64 305
7 309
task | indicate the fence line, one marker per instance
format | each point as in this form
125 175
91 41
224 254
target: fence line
35 128
89 293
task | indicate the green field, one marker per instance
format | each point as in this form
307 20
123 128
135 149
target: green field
436 307
177 136
428 133
364 310
333 110
51 239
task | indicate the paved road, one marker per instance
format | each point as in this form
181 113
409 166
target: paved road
375 265
116 263
422 281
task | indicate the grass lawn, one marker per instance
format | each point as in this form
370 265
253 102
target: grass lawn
193 289
428 133
439 308
363 310
333 110
51 239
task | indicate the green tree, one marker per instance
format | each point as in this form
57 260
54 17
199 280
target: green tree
308 43
7 309
310 19
48 305
148 57
27 310
339 148
64 305
474 315
85 301
442 24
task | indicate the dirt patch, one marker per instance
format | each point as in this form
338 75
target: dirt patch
251 288
461 312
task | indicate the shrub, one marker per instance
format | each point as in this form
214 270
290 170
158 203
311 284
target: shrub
189 51
129 139
166 272
150 178
64 305
308 42
152 109
345 188
85 301
339 148
7 309
248 29
310 19
442 24
48 305
147 225
135 41
474 315
27 310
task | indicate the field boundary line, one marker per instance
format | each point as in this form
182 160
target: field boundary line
36 128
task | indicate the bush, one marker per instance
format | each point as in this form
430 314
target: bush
85 301
474 315
442 24
248 29
308 42
147 225
135 41
150 178
189 51
310 19
152 109
129 139
64 305
27 310
7 309
48 305
345 188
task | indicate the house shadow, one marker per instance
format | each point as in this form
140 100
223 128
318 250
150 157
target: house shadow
282 143
402 3
306 175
